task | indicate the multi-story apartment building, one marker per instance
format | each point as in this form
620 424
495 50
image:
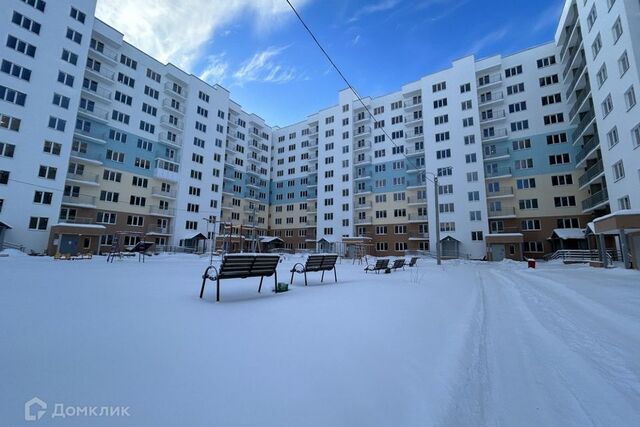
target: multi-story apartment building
528 148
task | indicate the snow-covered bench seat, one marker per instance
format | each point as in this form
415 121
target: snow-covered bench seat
316 263
241 266
381 264
398 263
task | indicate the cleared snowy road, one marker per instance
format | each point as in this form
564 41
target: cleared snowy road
462 344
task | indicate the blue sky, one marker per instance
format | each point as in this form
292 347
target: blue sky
261 53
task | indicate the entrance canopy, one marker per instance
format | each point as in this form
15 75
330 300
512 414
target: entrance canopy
504 238
568 234
5 226
627 220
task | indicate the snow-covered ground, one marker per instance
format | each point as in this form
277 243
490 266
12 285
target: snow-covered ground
467 344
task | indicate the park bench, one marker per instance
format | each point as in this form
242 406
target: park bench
241 266
381 264
314 264
413 262
398 263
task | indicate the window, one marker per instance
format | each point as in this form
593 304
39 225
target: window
36 4
6 149
465 88
559 159
57 123
125 60
521 125
613 137
630 98
69 57
21 46
65 78
26 23
618 170
602 75
623 63
38 223
77 15
624 203
14 96
15 70
514 71
549 80
616 30
74 36
530 224
10 123
564 201
560 180
546 62
476 235
635 136
526 204
591 18
42 197
558 138
607 106
47 172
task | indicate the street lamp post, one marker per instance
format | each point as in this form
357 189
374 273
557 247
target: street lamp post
435 198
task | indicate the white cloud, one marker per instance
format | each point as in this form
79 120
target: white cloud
355 40
488 40
175 31
262 67
380 6
215 69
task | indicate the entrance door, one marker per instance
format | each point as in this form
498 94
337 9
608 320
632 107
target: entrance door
68 244
497 252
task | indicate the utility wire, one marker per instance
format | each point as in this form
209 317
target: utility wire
333 64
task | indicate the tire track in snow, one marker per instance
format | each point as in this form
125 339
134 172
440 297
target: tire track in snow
593 375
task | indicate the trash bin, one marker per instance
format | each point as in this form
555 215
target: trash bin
531 263
281 287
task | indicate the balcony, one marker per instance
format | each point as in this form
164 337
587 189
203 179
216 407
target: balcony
576 54
105 53
176 124
169 88
504 172
495 134
84 179
99 94
503 193
413 104
416 202
593 172
311 224
567 36
362 160
497 154
86 158
490 98
87 136
363 206
505 212
175 107
418 236
162 193
157 211
579 75
413 151
362 177
597 200
101 74
175 141
363 130
96 113
80 201
414 218
586 121
491 80
492 116
411 136
366 145
165 231
165 174
76 220
580 101
363 190
590 146
411 120
364 221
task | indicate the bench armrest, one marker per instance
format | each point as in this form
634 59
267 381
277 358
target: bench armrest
206 274
298 271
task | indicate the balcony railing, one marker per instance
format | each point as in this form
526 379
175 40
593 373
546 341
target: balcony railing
584 94
587 148
503 212
367 220
504 171
503 192
108 75
158 230
158 191
77 220
175 107
577 77
362 160
101 92
90 178
498 152
584 123
572 58
364 205
596 199
495 134
418 236
156 210
494 78
95 112
107 53
595 170
79 200
366 189
175 141
490 97
416 218
492 115
165 120
168 86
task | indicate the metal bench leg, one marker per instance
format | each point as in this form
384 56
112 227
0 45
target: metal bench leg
260 287
335 275
292 273
204 280
305 277
322 277
275 279
218 290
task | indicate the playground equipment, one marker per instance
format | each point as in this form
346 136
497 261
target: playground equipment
118 248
